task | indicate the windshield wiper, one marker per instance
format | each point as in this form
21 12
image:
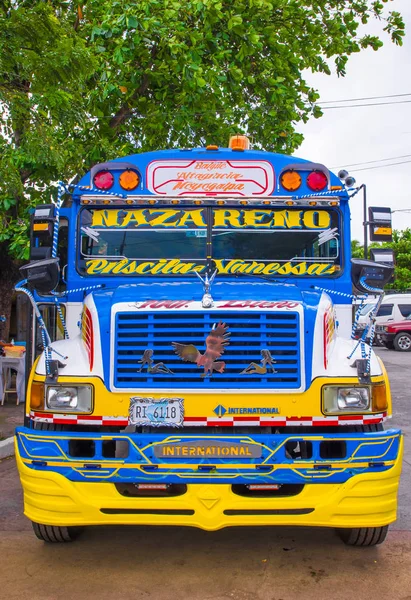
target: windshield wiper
255 275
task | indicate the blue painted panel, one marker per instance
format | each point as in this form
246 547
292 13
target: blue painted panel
342 283
365 453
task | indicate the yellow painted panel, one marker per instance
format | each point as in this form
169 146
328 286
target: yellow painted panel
367 500
197 404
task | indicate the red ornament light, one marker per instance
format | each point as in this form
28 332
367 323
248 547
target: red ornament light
103 180
317 181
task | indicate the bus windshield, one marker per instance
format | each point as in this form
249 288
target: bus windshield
180 241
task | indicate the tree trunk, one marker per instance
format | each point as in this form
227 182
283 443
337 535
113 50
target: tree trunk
9 276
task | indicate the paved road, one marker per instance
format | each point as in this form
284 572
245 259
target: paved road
166 563
398 365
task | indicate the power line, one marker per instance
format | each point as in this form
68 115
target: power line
383 166
373 161
267 107
368 98
361 105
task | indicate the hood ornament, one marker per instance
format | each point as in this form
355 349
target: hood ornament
216 341
207 300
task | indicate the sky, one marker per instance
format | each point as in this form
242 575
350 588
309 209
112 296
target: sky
348 136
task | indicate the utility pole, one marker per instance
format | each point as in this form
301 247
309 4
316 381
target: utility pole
363 187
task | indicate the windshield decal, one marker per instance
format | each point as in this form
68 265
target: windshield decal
228 267
166 241
271 219
326 236
147 218
94 235
175 266
126 266
211 177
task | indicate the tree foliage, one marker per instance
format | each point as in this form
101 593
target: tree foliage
401 246
357 250
82 82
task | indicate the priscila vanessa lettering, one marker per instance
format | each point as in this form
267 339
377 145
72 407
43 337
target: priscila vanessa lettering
163 266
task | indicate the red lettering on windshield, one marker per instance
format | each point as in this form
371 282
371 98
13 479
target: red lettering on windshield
258 304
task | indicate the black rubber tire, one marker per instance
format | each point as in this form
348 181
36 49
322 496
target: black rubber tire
363 536
402 342
362 428
53 534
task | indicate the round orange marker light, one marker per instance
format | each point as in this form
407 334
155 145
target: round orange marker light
129 180
290 180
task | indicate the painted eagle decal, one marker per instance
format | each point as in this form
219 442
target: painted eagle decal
216 341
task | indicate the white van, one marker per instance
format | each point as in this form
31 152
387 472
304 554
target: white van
394 307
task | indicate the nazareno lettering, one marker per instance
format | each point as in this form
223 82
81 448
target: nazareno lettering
222 218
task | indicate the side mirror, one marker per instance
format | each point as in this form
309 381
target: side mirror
379 221
41 231
42 275
370 274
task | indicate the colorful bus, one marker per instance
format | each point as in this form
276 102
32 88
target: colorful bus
198 367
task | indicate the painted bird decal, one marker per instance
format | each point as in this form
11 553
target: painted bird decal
216 341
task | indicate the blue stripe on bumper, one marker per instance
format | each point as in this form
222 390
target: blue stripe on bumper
258 459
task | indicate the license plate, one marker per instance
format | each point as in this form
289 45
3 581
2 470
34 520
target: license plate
153 412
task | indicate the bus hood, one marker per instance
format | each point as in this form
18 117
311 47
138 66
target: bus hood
258 319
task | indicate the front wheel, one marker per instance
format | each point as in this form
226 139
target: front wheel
402 342
363 536
54 534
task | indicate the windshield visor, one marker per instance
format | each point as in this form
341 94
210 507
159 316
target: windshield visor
171 241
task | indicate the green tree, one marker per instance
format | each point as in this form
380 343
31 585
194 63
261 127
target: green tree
357 249
401 245
81 82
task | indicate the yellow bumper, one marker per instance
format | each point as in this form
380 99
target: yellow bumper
368 500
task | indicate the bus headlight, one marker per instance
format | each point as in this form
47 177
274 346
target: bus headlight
69 398
346 399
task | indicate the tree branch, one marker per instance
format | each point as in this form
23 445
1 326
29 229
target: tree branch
126 110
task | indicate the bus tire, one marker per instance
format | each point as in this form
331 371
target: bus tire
363 536
362 428
53 534
48 426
